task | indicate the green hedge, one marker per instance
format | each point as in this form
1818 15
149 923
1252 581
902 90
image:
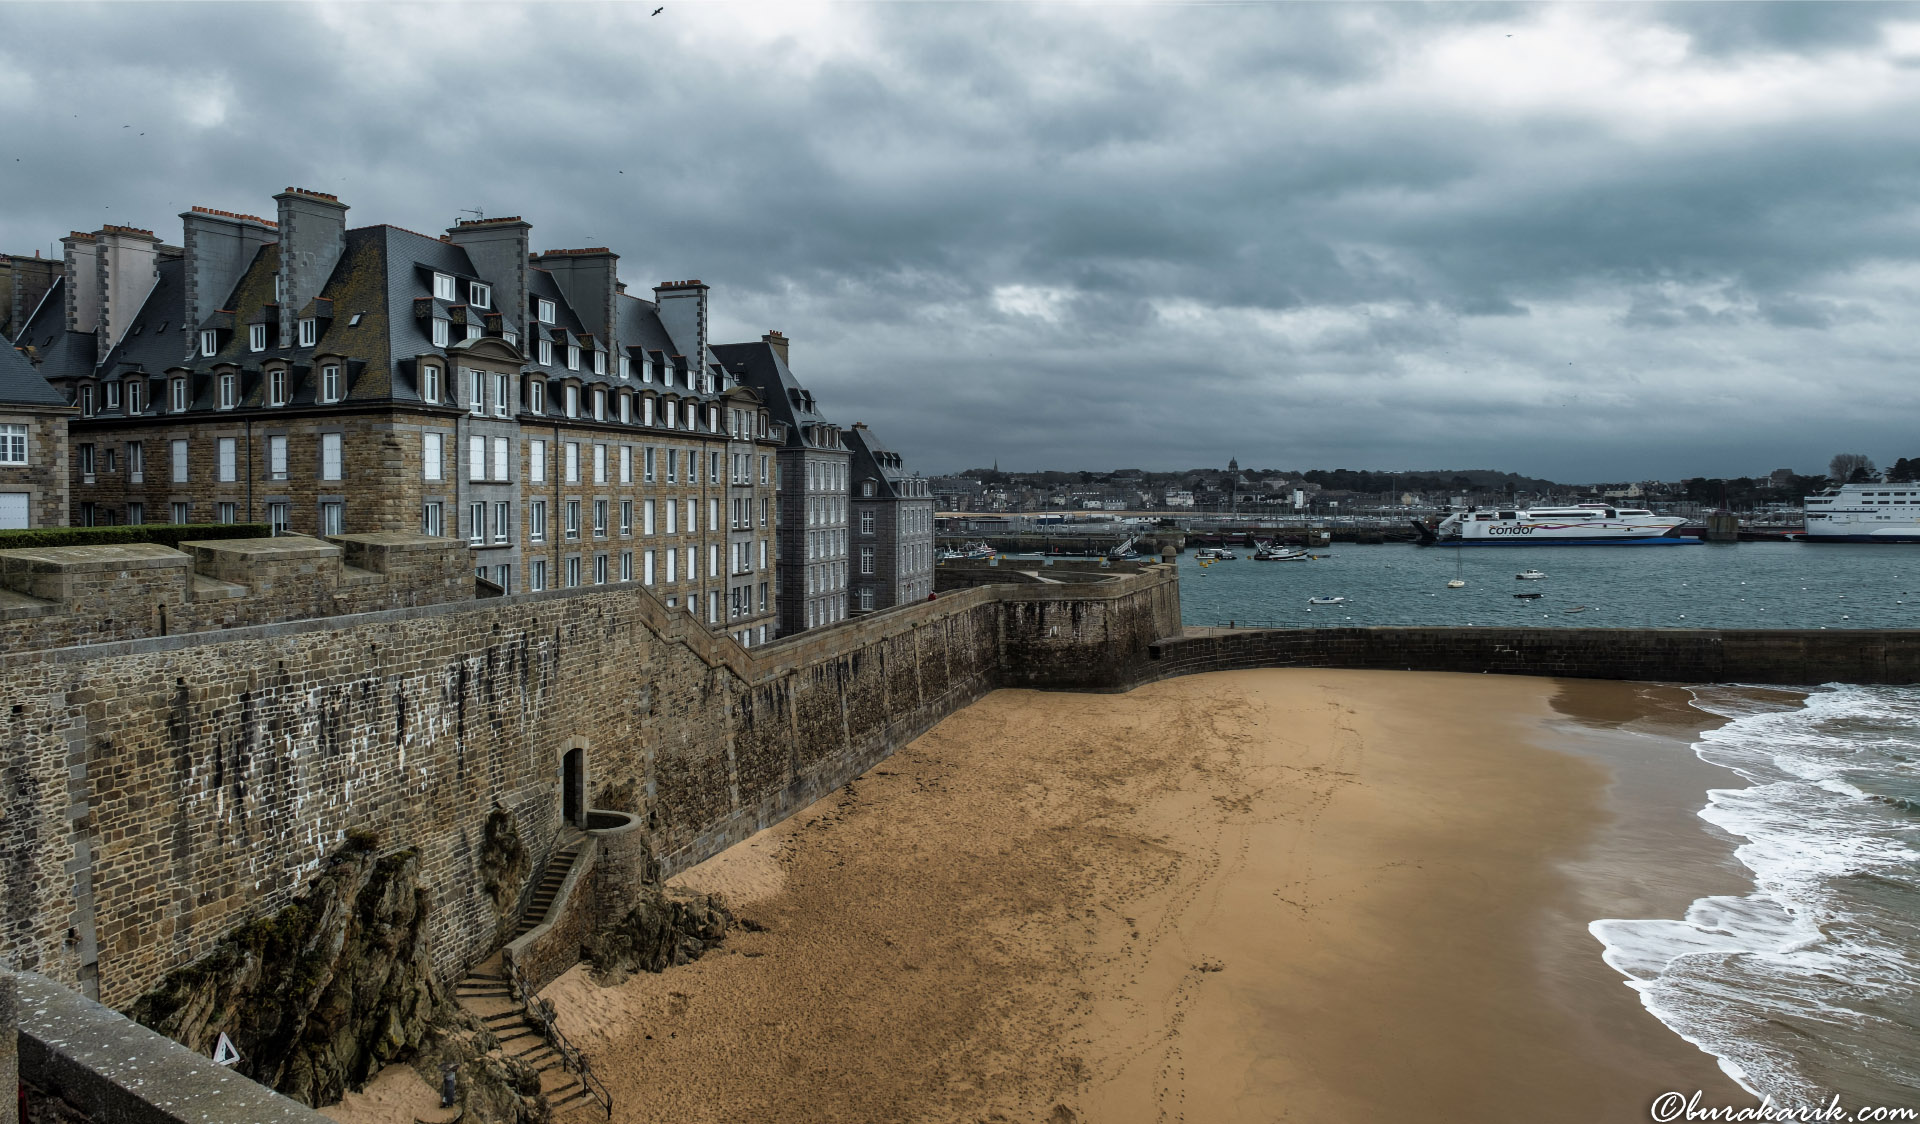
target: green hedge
166 534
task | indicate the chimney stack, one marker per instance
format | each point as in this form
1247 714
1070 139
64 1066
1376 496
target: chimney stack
498 250
220 245
590 279
683 313
778 343
313 235
83 282
128 261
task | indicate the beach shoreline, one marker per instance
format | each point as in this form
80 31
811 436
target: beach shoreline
1287 894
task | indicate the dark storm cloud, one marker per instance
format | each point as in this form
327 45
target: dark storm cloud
1589 242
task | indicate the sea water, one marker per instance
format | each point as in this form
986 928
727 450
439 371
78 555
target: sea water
1808 986
1731 585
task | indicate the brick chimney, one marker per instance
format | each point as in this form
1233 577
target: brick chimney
313 235
778 343
683 313
498 250
128 261
24 281
220 245
590 279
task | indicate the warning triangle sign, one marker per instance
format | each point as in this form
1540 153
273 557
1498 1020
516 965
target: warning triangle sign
224 1053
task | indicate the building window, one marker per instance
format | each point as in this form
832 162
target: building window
546 353
764 504
669 415
86 401
480 296
866 597
476 524
599 569
333 517
500 459
646 410
673 466
476 457
573 571
693 519
538 575
866 560
330 383
136 461
229 391
256 337
503 577
502 521
537 521
134 395
433 455
86 464
573 520
673 518
646 465
537 396
544 311
13 444
625 367
573 357
228 449
866 522
673 557
443 287
439 331
476 394
277 456
113 395
536 462
599 405
309 332
626 409
209 344
646 517
599 464
179 402
178 450
136 513
626 565
473 330
626 519
599 519
573 401
330 458
429 383
180 512
646 568
626 464
573 462
502 395
430 520
599 362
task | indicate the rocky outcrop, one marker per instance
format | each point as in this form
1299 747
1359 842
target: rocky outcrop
504 861
492 1087
661 930
320 995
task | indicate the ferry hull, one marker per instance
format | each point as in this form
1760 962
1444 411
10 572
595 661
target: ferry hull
1899 536
1650 540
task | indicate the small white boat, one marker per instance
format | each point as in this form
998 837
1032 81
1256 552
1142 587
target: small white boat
1326 601
1456 584
1530 575
1214 554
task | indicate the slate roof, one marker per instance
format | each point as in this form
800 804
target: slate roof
759 366
872 459
21 385
159 336
57 352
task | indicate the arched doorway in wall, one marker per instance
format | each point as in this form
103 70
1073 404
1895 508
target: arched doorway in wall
573 786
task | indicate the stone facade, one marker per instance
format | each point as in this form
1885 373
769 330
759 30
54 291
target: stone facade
892 526
36 489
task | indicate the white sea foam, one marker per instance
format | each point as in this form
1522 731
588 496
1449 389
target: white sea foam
1805 986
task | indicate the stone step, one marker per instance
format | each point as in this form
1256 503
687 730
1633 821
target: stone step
502 1018
578 1095
525 1032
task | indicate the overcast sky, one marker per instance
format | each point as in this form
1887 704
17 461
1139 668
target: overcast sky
1583 242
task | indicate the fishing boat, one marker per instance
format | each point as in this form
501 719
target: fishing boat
970 552
1326 601
1214 554
1530 576
1586 524
1268 552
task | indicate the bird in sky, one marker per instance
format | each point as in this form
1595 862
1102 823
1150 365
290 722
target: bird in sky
656 11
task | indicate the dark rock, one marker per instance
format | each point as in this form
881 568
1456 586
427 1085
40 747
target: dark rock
504 861
661 930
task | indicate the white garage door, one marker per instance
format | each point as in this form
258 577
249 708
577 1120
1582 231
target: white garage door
13 511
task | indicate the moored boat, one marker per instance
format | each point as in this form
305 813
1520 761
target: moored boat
1587 524
1867 512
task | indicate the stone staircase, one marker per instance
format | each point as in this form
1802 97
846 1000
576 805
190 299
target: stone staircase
487 993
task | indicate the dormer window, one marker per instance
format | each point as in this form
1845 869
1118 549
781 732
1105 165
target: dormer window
86 401
646 410
113 395
626 367
134 394
626 409
429 383
646 371
439 332
573 357
330 387
668 414
277 387
443 287
229 391
309 332
178 403
209 343
544 312
256 337
546 353
480 296
476 394
599 362
473 331
599 405
573 401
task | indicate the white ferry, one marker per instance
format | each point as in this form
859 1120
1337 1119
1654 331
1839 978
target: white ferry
1871 512
1587 524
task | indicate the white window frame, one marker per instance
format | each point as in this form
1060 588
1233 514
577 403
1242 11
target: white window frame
309 332
499 451
277 456
477 393
330 383
442 331
177 453
536 461
537 396
545 353
572 462
209 343
537 521
277 387
599 404
479 295
13 444
179 401
444 288
333 456
429 383
599 362
543 310
256 337
572 400
476 458
229 385
573 356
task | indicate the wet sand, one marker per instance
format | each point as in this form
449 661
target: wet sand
1248 896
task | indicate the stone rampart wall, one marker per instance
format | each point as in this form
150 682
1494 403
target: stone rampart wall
161 791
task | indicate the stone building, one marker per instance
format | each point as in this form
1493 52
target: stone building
334 380
24 281
813 494
33 447
893 526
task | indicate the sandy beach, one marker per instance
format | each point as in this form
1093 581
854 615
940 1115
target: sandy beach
1249 896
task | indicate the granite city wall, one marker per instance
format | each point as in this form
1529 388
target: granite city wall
160 791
